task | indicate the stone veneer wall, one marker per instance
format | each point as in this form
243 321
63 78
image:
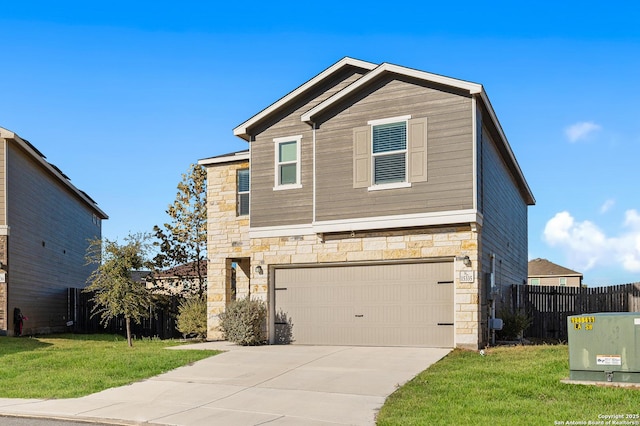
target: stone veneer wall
398 245
227 239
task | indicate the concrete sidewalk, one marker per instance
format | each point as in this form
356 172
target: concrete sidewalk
279 385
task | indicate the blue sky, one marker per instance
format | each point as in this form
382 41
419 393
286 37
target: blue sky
123 96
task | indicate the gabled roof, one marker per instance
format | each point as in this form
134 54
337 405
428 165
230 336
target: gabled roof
383 69
372 73
545 268
52 169
242 129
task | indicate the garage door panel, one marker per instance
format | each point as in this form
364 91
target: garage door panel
391 304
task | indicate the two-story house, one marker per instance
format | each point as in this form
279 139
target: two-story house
544 272
45 225
376 205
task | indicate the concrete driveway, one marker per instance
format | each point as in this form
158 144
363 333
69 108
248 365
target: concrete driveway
278 385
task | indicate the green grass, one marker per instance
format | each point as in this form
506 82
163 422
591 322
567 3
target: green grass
508 386
67 366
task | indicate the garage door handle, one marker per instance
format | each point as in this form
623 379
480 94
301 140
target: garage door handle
359 316
445 323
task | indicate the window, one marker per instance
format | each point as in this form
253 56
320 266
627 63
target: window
390 153
534 281
243 192
287 162
389 147
563 281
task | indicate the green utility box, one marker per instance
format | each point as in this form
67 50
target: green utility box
604 347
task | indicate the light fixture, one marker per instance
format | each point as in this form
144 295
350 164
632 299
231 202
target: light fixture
259 270
465 260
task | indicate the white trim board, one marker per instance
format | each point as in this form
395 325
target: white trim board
373 223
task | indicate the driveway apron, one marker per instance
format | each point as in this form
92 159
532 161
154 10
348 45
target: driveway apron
278 385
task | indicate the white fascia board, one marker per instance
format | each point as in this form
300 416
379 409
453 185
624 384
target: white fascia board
505 142
240 156
281 231
399 221
457 217
473 88
241 130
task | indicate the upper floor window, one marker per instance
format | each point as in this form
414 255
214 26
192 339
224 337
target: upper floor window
563 281
534 281
242 192
389 148
390 153
287 162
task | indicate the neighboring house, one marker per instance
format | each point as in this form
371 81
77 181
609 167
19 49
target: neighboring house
45 225
383 200
180 279
543 272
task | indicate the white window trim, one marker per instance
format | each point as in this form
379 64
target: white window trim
394 185
277 141
239 193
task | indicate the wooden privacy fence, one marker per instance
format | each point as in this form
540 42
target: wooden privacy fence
161 321
549 306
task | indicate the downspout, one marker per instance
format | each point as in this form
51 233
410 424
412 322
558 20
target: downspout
492 312
313 130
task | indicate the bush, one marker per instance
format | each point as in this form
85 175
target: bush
243 322
513 324
192 317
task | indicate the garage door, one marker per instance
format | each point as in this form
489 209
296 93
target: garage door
377 305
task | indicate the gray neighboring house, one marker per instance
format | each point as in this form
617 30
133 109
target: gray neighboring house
544 272
45 225
375 205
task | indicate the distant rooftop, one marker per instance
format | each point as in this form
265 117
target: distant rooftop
544 268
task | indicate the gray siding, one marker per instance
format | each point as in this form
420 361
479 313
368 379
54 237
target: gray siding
50 227
449 184
504 230
293 206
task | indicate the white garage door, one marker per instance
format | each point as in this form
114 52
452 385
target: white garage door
377 305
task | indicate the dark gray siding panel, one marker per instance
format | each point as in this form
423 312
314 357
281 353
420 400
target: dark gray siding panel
504 231
50 229
293 206
449 184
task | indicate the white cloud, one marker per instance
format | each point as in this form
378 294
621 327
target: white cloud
587 246
581 131
607 206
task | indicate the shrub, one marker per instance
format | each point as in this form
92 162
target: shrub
243 322
192 317
513 324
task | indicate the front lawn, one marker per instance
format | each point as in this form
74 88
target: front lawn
72 365
508 386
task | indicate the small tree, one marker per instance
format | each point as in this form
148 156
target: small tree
115 291
183 241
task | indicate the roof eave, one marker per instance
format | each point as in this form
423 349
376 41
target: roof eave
242 130
7 134
384 68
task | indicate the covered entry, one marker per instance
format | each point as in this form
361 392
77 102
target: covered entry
398 304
